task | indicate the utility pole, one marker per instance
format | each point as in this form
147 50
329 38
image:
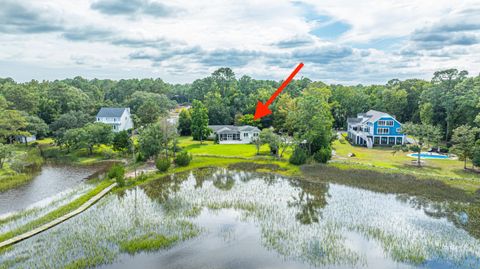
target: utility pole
133 153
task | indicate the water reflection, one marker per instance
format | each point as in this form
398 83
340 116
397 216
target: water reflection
309 201
258 220
51 180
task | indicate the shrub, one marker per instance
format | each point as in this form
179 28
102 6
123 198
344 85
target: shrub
140 157
107 153
444 149
116 171
183 158
415 148
299 156
52 153
323 155
120 181
162 164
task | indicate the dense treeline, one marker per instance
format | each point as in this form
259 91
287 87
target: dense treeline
47 108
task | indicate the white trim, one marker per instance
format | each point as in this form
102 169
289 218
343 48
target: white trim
383 129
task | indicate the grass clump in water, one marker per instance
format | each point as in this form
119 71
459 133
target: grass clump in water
148 242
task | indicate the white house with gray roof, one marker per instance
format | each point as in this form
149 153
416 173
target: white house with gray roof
375 128
118 117
230 134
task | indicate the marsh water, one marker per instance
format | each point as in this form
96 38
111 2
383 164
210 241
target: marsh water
51 180
234 219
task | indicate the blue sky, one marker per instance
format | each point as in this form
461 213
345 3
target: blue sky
339 41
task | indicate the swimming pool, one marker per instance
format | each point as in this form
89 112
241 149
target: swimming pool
428 155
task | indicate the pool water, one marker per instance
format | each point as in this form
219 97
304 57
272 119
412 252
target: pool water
428 155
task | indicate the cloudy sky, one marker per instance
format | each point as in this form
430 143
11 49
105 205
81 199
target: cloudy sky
339 41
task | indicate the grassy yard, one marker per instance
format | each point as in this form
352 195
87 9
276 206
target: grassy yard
239 150
79 156
25 162
383 159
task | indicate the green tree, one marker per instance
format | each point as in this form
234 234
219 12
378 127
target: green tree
69 120
6 152
36 126
121 141
3 103
284 105
476 154
12 123
97 134
426 113
150 140
185 122
74 139
258 143
247 119
218 110
312 119
267 136
200 130
423 135
21 97
463 140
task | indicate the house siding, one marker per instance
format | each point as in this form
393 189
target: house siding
122 123
392 130
364 130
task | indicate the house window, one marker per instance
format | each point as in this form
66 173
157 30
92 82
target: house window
385 122
391 140
376 140
399 130
399 140
98 119
384 140
255 134
383 131
245 134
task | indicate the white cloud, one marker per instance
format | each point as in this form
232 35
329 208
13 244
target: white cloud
184 40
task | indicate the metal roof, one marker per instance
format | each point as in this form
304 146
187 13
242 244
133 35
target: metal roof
233 128
111 112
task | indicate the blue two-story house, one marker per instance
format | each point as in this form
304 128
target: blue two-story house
375 128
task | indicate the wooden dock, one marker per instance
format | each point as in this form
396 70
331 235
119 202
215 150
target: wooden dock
59 220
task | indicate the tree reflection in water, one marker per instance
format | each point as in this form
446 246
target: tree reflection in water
311 198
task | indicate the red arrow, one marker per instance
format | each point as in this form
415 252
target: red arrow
262 109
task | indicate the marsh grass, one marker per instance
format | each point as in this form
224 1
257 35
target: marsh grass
55 213
388 183
301 221
14 180
148 242
130 223
14 220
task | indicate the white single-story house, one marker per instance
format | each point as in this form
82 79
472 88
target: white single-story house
230 134
118 117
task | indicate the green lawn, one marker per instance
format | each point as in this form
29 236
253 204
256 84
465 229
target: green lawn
378 158
239 150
